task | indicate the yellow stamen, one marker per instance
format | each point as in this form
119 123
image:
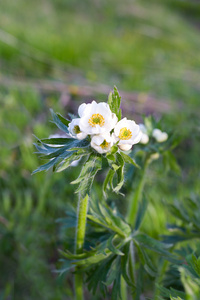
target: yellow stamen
96 119
125 134
76 129
104 144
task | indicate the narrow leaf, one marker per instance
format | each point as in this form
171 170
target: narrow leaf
46 166
108 179
129 160
57 141
141 212
58 122
87 174
63 120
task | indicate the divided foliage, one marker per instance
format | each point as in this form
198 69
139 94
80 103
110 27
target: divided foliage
111 246
184 278
188 213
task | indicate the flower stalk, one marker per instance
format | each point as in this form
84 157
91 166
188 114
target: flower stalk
80 236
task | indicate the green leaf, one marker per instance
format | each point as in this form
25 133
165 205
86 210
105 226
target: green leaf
116 290
57 141
46 166
125 265
141 212
114 101
103 215
120 173
45 148
140 282
87 174
47 151
115 167
179 211
128 159
94 259
67 266
64 153
98 275
112 248
67 161
108 179
58 122
194 262
63 120
60 151
112 272
146 261
114 149
154 245
170 162
110 157
171 293
76 257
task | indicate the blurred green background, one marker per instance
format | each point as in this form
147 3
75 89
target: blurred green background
58 54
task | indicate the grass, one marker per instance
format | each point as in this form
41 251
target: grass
148 48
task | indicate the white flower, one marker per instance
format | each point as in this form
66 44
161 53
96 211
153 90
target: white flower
96 118
145 138
159 135
127 132
102 142
74 129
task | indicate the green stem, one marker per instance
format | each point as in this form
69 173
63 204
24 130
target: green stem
137 196
80 236
132 262
123 289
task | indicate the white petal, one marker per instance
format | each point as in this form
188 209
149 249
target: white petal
97 140
114 120
72 124
76 122
136 133
137 138
159 135
81 136
144 139
108 119
125 147
81 109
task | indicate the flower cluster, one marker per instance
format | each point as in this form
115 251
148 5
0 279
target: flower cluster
102 125
156 133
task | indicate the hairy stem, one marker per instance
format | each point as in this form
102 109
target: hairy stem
80 236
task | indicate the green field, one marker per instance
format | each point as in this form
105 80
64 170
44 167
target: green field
58 54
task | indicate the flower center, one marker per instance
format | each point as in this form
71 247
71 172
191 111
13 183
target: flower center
125 134
104 144
96 119
76 129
